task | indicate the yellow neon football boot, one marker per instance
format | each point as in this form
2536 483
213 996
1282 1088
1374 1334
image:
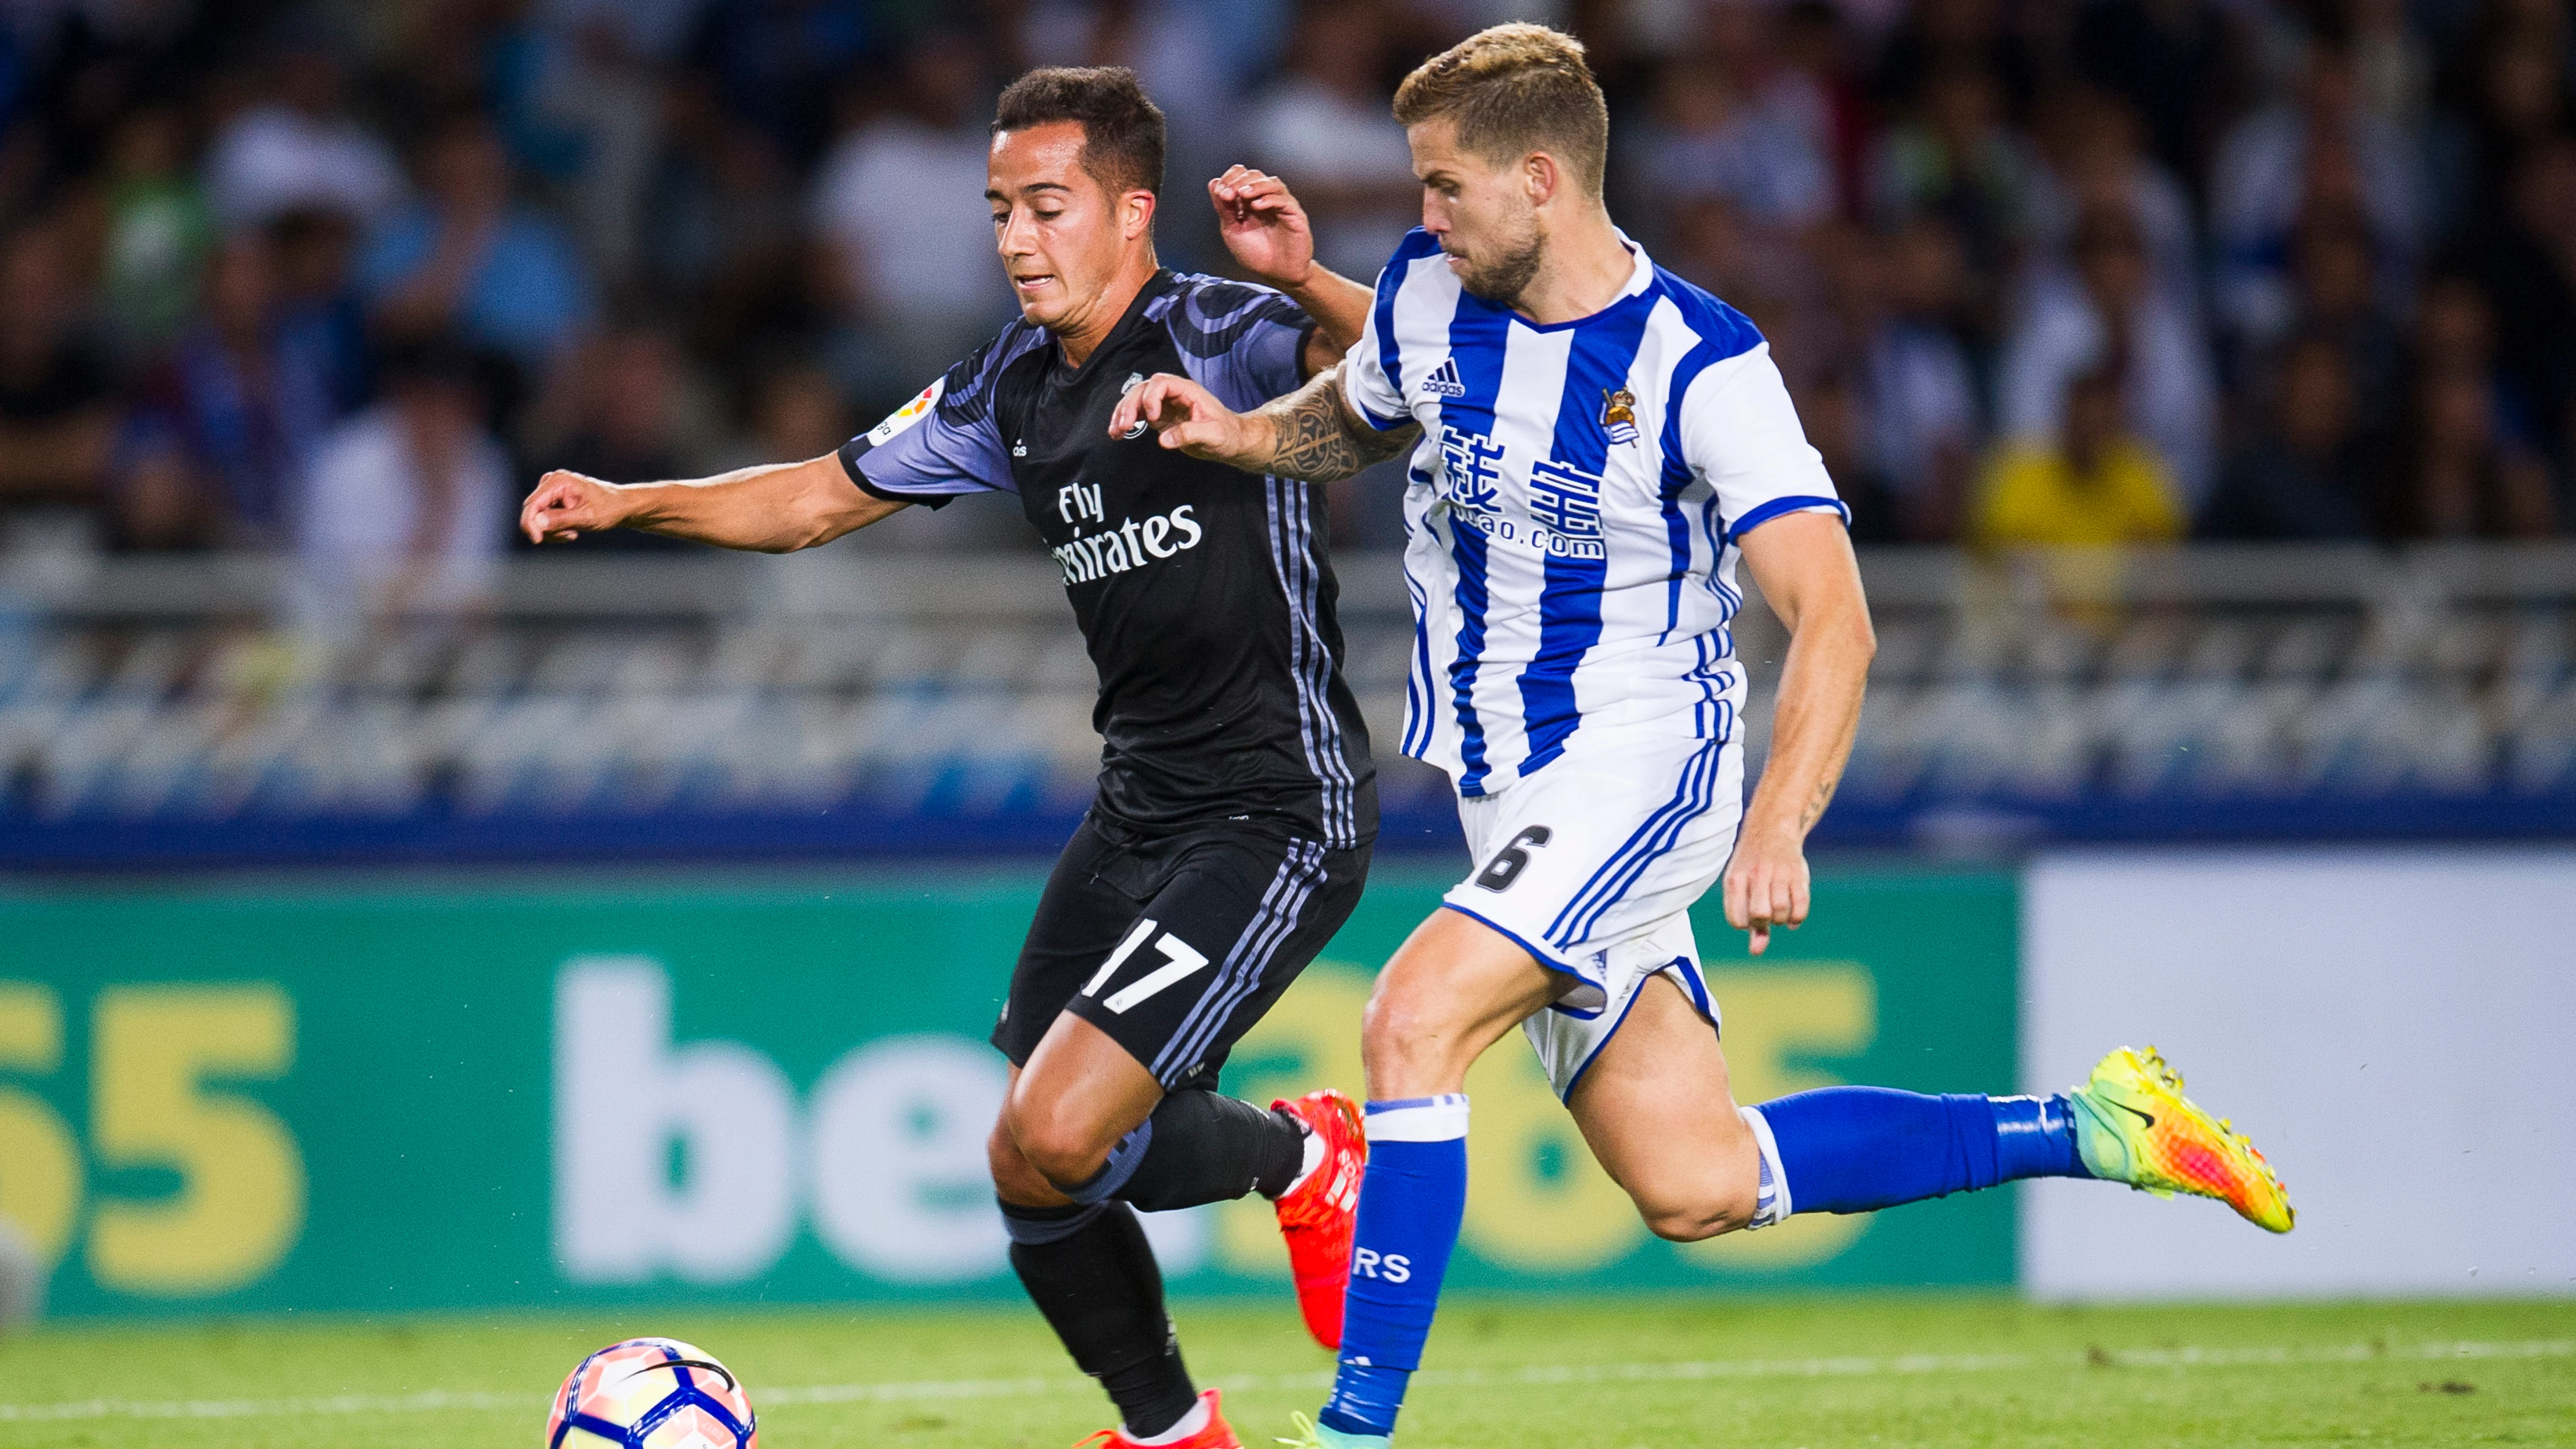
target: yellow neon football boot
1311 1435
2134 1125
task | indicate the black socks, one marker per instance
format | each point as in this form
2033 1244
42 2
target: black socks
1091 1272
1205 1147
1089 1269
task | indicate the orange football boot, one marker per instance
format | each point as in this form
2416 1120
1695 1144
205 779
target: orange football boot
1318 1217
1215 1434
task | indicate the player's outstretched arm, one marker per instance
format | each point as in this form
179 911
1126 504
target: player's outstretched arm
774 508
1804 563
1311 433
1267 231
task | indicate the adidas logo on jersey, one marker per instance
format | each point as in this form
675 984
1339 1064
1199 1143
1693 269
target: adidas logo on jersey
1443 381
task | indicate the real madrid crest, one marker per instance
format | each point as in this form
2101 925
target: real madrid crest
1135 380
1619 415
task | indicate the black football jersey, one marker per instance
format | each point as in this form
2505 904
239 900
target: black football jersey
1204 593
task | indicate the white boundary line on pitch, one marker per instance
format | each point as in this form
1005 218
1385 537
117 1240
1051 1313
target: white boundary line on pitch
1851 1367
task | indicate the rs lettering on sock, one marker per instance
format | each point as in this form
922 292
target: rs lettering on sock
1412 1200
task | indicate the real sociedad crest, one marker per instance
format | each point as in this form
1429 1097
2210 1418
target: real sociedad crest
1619 415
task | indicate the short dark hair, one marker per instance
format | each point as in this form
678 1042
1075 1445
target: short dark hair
1122 128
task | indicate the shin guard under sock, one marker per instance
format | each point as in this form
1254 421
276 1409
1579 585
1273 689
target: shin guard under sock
1199 1147
1092 1274
1859 1149
1412 1200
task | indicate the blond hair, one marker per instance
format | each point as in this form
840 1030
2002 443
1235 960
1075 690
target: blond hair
1511 90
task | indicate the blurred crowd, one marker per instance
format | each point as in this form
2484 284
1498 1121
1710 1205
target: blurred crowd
339 279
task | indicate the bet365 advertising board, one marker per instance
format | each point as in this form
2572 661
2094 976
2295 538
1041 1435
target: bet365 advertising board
735 1089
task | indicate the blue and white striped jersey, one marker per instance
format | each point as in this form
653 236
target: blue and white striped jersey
1574 509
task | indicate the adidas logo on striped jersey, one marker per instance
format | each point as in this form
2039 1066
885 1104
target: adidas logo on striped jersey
1443 381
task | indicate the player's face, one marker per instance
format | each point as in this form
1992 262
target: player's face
1484 216
1062 235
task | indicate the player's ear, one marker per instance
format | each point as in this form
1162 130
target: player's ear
1542 177
1135 214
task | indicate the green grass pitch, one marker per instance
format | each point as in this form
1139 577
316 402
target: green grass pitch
1502 1373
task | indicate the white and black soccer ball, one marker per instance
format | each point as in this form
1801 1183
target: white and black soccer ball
652 1393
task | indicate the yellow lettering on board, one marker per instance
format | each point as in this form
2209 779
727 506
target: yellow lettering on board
1318 1025
1536 1199
40 1162
240 1204
1775 1014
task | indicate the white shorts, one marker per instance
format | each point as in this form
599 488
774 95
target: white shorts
1592 866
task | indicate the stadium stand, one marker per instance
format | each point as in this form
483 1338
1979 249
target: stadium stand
296 296
608 707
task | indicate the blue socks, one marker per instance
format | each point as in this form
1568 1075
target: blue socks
1412 1199
1859 1149
1838 1150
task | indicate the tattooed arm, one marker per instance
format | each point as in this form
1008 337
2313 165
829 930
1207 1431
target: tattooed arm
1316 435
1312 433
1804 563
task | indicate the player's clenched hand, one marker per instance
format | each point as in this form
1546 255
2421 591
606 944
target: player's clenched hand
1766 886
567 505
1187 416
1264 227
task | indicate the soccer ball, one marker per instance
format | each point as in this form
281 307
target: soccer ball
652 1393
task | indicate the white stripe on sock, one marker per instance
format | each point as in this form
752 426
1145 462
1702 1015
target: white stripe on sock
1429 1119
1314 1158
1779 1207
1189 1423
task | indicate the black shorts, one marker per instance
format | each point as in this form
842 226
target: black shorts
1175 944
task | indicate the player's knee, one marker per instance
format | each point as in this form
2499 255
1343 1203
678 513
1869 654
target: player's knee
1057 1147
1401 1039
1064 1159
1382 1030
1690 1211
1014 1179
1696 1223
